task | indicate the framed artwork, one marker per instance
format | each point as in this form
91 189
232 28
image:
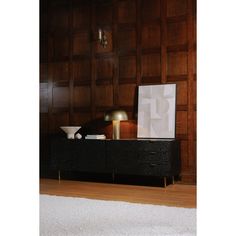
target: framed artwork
156 111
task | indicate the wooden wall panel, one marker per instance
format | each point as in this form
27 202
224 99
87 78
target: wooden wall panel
127 11
176 33
57 120
104 96
44 123
181 122
43 49
194 93
151 65
43 72
103 14
59 19
184 155
127 67
81 43
60 97
127 94
60 47
82 69
81 118
151 36
176 7
43 97
81 16
182 90
150 10
60 71
104 68
126 39
177 63
149 42
82 96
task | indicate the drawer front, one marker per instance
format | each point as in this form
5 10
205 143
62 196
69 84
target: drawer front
154 146
160 158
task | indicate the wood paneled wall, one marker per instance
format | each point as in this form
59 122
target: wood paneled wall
149 42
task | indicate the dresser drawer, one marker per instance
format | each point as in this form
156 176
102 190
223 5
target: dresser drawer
154 146
157 157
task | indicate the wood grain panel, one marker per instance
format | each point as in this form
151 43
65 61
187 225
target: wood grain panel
104 95
43 49
82 96
176 33
177 63
43 123
104 68
177 195
184 154
176 7
195 125
103 13
60 71
58 3
81 118
127 94
43 97
59 20
43 72
126 39
151 65
82 69
43 17
127 67
194 29
194 62
151 36
57 120
60 97
61 47
81 16
81 43
126 11
150 10
194 95
182 93
128 129
181 122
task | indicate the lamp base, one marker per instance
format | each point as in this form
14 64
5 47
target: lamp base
116 129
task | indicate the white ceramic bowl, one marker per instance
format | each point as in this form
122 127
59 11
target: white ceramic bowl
70 131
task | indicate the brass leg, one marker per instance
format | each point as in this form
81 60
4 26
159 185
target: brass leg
164 182
173 180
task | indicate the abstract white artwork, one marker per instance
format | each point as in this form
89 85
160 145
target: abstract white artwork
156 111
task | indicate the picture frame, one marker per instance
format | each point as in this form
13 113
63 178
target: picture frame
156 111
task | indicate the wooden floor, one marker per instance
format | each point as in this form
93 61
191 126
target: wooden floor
178 195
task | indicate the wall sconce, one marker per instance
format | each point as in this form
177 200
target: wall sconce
116 116
102 38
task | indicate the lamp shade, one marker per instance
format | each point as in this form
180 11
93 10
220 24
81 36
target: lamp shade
115 115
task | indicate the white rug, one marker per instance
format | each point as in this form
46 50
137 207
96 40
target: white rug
68 216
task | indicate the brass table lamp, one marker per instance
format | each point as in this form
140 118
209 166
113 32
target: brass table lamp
116 116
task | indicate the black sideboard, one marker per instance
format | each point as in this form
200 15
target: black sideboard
144 157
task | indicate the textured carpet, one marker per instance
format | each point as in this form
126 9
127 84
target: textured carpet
70 216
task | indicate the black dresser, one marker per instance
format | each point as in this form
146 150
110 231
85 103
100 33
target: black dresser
144 157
